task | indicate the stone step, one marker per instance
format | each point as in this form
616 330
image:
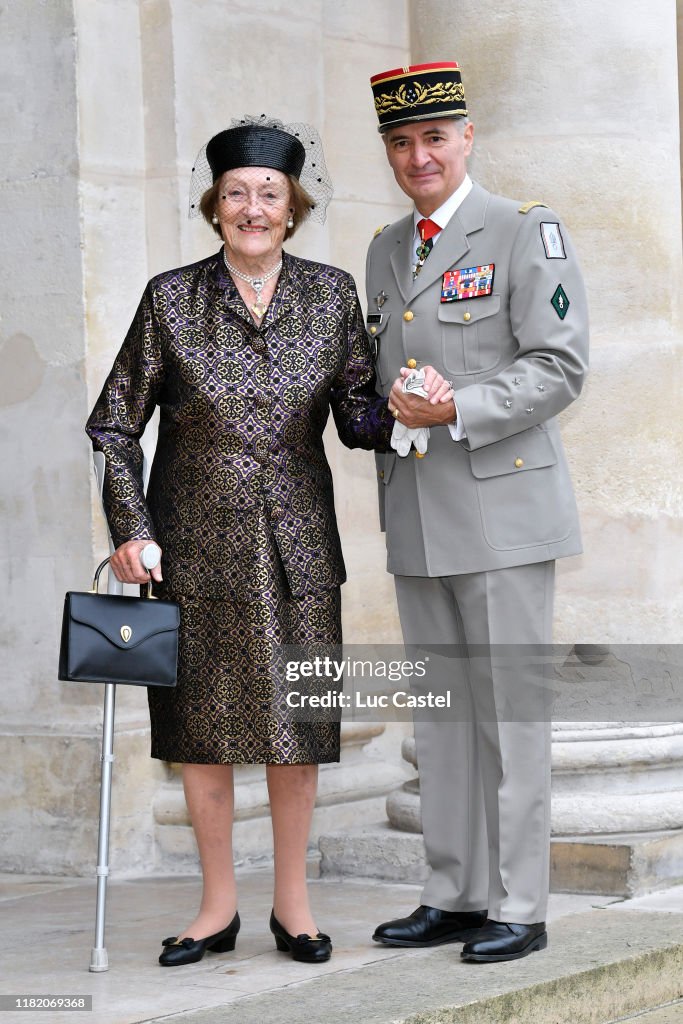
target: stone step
671 1013
602 962
611 865
599 966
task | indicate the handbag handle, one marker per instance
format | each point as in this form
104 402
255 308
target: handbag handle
96 580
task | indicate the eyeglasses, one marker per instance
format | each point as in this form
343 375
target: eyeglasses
269 197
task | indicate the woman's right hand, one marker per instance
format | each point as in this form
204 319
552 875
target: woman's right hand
127 565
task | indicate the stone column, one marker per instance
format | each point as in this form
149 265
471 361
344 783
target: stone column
579 109
49 737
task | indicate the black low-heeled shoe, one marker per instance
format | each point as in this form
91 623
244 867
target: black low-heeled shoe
309 949
189 951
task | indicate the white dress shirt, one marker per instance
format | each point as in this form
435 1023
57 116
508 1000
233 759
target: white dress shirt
444 212
442 217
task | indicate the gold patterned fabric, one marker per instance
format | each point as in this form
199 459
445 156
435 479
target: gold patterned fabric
230 706
240 495
407 97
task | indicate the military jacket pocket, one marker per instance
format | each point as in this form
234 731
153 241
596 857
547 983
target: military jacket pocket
466 332
530 449
525 497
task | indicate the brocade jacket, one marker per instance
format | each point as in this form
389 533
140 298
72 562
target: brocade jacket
239 461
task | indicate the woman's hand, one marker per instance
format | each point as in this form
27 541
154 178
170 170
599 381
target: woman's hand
127 565
415 411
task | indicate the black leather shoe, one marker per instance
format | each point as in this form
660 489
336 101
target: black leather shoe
428 926
309 949
499 940
189 951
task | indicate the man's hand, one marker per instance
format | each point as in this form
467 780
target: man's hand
415 411
127 565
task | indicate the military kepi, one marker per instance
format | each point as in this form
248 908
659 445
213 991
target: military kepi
419 92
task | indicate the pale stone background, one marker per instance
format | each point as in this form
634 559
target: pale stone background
105 104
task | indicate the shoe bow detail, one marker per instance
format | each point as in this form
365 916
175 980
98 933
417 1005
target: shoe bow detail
177 952
304 947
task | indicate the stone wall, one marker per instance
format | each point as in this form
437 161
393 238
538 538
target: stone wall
108 103
579 109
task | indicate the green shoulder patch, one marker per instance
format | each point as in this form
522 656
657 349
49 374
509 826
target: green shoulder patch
560 302
380 229
530 205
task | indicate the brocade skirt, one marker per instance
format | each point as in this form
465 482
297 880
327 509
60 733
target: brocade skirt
230 705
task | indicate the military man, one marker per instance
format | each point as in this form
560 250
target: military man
488 291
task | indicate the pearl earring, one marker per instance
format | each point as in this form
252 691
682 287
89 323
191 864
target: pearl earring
214 219
290 222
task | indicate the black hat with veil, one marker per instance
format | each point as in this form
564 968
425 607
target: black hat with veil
263 141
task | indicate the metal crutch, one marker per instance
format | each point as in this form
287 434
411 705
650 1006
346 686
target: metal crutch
99 960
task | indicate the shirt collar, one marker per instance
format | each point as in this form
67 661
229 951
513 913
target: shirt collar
447 209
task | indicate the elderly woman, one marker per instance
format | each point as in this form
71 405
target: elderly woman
245 353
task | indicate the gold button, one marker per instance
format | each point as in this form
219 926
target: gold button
408 315
381 474
467 316
411 364
519 463
419 455
373 330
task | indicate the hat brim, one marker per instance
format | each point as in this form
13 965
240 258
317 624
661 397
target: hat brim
459 116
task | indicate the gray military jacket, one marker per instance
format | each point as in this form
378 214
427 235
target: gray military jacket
517 357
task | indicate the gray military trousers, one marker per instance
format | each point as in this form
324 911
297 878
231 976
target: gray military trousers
485 764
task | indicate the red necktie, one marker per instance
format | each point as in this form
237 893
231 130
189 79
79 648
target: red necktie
427 229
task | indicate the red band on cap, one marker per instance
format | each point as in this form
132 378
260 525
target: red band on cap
413 69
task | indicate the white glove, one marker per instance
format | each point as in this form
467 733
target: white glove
402 437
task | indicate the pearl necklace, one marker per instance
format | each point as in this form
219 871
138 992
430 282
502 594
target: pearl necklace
256 283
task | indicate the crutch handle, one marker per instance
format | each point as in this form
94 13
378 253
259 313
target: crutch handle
150 556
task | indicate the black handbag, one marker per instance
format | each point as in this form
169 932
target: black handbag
108 638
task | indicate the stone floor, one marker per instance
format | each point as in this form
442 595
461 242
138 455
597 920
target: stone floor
605 960
671 1014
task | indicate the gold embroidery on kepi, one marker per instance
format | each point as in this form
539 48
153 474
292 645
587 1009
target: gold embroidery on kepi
419 92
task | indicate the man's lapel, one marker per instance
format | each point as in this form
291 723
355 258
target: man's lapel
402 256
453 242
